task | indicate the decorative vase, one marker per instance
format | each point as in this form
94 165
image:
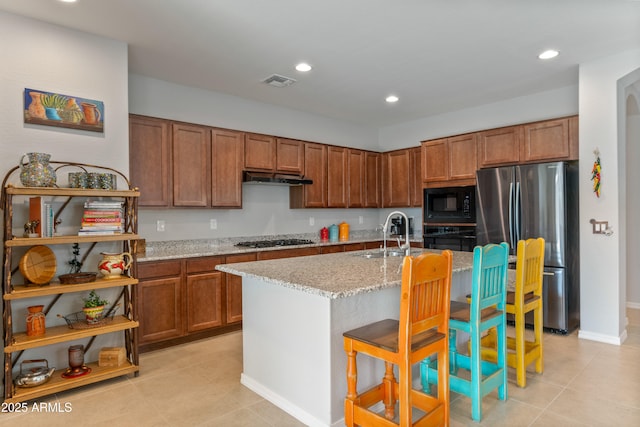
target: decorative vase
52 113
71 112
36 109
93 314
91 113
113 265
35 321
38 172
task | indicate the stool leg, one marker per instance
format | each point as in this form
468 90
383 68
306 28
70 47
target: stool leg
537 332
453 352
389 382
425 365
476 374
352 378
521 369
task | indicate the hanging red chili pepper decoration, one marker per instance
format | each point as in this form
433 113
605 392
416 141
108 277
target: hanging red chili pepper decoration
595 173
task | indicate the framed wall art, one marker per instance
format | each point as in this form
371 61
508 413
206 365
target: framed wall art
55 109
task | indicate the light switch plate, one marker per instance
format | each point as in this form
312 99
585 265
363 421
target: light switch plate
213 224
160 225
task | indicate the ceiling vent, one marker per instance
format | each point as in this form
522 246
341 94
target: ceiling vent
279 81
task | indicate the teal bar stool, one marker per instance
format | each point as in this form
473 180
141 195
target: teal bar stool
485 311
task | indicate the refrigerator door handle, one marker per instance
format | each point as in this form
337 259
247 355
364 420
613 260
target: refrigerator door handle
511 219
518 230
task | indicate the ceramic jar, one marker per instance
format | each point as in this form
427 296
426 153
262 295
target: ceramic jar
113 265
333 233
37 172
35 321
343 231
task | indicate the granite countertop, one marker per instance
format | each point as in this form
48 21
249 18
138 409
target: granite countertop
176 249
336 275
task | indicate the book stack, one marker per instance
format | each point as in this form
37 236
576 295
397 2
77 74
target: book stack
101 218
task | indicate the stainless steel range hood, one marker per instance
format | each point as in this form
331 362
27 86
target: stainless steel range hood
274 178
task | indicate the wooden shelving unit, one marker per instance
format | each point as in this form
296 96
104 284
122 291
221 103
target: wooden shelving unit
16 342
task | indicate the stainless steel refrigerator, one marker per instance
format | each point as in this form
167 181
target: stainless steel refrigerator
530 201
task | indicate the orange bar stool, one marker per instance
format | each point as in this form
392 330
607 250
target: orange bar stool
422 330
485 311
526 298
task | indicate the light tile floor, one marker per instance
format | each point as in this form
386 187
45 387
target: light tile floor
585 383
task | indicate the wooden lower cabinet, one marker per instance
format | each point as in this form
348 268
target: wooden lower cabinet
203 293
160 287
182 300
234 289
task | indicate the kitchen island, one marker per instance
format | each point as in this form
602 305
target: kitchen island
294 313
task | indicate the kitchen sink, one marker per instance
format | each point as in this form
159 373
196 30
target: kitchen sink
380 254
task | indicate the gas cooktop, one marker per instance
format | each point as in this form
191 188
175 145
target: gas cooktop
272 243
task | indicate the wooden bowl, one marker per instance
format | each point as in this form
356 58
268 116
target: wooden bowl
38 265
75 278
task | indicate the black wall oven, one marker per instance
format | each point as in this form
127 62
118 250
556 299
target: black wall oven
450 218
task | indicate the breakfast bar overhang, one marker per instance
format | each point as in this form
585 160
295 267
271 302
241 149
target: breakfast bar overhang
294 313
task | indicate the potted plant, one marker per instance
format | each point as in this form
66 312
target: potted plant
93 307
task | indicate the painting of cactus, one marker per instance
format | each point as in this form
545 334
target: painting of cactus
55 109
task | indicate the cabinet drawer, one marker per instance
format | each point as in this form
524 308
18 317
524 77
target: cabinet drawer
353 247
288 253
204 264
148 270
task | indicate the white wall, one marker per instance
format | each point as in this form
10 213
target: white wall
602 259
632 133
545 105
50 58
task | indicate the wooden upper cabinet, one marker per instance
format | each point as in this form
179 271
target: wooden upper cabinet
415 171
259 152
191 166
435 160
227 159
372 173
463 157
355 178
289 156
315 168
396 178
550 140
337 177
449 161
150 160
498 147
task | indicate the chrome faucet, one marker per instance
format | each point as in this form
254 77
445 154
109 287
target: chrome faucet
385 226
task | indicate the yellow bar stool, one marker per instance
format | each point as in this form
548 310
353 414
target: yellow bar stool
527 297
422 330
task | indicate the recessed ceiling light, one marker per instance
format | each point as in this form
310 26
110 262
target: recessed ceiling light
68 1
304 67
548 54
391 99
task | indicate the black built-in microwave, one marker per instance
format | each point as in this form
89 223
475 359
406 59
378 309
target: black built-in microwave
450 205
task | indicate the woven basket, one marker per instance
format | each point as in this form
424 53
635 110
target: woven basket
38 265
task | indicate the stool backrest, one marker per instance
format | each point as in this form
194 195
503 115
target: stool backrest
530 266
424 295
489 279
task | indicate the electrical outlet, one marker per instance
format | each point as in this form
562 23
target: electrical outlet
213 224
312 220
360 219
160 225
